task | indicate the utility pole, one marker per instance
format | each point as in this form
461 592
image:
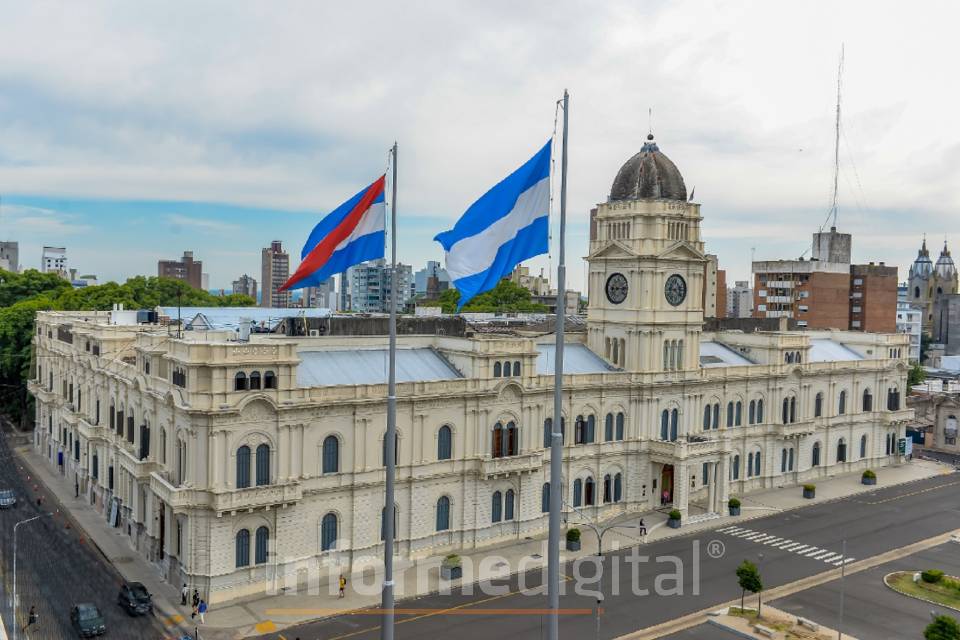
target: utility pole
16 625
836 143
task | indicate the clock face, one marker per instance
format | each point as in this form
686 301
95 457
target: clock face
616 288
675 290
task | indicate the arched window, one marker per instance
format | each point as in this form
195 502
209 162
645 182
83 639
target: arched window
506 368
752 412
243 468
608 428
783 461
577 492
818 405
916 292
263 465
591 428
263 541
607 488
750 464
887 449
496 369
786 410
443 513
739 414
617 488
240 384
863 446
760 411
255 380
269 380
735 469
242 549
496 507
790 460
513 439
793 409
729 414
516 368
674 424
620 420
716 415
589 492
665 425
756 463
396 449
331 454
508 501
706 417
444 443
547 433
545 498
328 532
815 458
842 404
95 466
867 400
841 450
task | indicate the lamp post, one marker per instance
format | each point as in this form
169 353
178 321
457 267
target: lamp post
596 528
16 626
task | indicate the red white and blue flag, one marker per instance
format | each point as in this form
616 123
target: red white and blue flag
352 233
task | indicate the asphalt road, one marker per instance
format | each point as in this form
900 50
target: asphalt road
56 567
872 611
704 632
871 523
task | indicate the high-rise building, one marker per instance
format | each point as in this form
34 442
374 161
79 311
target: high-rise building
370 286
433 274
873 298
740 300
274 271
929 284
909 321
10 256
322 296
246 286
54 260
714 289
186 269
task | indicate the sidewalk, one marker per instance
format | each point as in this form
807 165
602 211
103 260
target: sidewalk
271 613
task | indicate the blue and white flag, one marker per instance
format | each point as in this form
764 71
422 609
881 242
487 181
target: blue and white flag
507 225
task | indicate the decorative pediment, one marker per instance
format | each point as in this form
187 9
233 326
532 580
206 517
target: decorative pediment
680 251
613 250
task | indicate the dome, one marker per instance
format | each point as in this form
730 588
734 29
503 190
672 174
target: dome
922 267
649 175
945 267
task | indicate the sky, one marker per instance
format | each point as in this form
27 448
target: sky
130 132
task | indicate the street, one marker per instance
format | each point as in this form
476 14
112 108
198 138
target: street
786 546
56 566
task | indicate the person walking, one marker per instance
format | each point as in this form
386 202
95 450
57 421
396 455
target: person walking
184 593
202 609
343 585
31 619
196 598
643 528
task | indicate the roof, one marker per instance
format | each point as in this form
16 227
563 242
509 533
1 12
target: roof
327 368
201 318
715 354
577 358
649 174
825 350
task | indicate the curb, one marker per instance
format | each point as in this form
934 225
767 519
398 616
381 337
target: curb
910 595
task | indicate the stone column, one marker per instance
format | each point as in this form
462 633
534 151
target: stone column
711 488
681 489
284 451
723 480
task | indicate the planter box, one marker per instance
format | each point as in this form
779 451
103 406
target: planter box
734 511
451 573
868 481
573 545
809 494
673 524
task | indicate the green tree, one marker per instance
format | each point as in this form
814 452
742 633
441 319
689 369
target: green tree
15 287
925 342
748 577
916 375
942 628
506 297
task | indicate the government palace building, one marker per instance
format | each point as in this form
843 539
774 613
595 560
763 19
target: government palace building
234 459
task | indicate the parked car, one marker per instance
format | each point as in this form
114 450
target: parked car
135 599
87 620
8 499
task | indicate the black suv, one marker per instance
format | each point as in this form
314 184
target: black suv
135 599
87 620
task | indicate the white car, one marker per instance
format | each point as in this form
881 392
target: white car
8 499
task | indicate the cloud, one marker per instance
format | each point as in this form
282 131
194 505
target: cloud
20 219
177 220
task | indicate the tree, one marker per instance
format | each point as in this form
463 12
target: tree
942 628
506 297
916 375
748 577
925 342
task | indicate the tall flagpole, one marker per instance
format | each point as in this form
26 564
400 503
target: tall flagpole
556 435
391 436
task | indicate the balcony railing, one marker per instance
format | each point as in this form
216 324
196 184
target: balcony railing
524 462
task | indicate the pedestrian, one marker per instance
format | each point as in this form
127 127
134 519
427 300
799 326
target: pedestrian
343 585
202 609
76 489
643 528
31 619
183 594
193 611
196 598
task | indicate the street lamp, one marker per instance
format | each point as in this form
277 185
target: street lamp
596 529
16 626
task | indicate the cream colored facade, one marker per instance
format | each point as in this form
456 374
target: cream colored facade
656 413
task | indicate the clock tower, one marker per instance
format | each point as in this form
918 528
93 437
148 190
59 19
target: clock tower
645 288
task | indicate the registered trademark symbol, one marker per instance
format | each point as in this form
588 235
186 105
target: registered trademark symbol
716 549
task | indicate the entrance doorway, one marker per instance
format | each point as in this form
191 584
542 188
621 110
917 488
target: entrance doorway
666 485
163 529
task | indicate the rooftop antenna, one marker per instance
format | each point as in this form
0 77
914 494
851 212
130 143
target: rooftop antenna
836 145
650 121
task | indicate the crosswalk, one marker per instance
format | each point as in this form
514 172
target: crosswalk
808 551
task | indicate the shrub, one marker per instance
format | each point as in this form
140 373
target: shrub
675 514
733 502
932 576
452 560
942 628
809 487
573 535
869 474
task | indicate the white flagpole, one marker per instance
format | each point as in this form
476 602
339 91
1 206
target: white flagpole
556 435
390 444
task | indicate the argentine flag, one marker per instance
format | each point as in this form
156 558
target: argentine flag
507 225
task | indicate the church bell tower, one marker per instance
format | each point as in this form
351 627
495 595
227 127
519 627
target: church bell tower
646 277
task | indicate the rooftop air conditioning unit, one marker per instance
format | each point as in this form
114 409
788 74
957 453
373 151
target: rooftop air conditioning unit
314 333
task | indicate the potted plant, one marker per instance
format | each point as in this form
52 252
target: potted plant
809 491
674 519
573 540
868 477
450 568
734 505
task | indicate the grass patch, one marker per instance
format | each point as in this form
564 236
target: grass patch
750 615
944 593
